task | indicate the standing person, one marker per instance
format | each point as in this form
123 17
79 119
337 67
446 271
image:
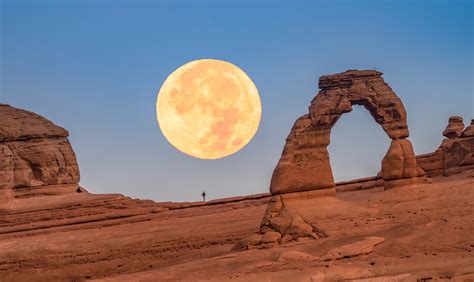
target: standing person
203 196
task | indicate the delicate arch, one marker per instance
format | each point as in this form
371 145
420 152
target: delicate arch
304 164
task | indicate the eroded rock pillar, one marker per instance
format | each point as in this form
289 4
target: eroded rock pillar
399 164
304 164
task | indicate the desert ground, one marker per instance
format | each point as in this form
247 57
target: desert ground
420 232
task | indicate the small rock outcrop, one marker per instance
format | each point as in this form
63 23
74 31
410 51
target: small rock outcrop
35 156
282 220
362 247
283 223
469 131
365 246
456 152
304 164
454 128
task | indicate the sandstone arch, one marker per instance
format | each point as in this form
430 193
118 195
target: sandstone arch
304 164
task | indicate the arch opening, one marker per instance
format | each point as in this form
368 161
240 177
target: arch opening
304 164
358 145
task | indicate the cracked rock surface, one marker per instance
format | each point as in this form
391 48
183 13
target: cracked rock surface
34 154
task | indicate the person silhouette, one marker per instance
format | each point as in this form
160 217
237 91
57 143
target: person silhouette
203 196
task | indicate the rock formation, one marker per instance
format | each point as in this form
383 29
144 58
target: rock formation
54 233
469 131
35 156
454 128
304 173
453 156
304 164
456 152
281 218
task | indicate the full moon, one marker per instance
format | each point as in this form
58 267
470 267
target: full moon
208 109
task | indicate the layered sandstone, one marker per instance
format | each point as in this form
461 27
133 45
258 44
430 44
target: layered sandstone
454 128
426 233
304 171
35 156
304 164
456 152
47 234
469 131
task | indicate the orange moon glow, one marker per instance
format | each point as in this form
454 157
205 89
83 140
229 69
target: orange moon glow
208 109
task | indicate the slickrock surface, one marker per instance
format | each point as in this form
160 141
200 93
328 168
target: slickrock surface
17 124
304 164
50 231
34 154
426 231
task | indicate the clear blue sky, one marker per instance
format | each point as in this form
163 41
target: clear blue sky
95 67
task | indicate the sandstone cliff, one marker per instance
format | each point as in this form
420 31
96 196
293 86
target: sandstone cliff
36 157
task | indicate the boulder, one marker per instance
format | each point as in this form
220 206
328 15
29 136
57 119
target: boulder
271 237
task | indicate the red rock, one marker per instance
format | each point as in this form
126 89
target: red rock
248 243
431 163
469 131
276 218
295 256
454 128
33 153
280 216
271 237
304 164
285 239
16 124
49 235
361 183
362 247
457 153
400 161
299 228
454 155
